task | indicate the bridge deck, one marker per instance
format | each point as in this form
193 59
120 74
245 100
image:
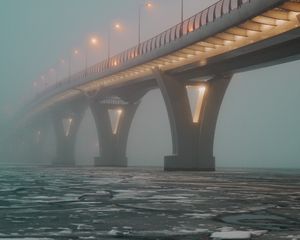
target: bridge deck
228 26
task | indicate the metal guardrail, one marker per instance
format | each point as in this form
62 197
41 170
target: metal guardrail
191 24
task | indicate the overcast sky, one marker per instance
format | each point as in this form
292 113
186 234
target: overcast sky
259 120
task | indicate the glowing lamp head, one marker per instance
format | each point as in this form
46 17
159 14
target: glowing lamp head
148 5
94 41
76 52
118 26
119 111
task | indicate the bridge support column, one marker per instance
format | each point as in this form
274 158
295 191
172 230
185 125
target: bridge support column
66 125
192 137
112 139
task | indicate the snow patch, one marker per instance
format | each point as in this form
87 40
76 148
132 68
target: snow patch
199 215
231 235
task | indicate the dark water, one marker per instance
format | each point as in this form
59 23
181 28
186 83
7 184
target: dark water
94 203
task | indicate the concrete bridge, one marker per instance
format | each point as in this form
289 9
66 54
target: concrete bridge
202 53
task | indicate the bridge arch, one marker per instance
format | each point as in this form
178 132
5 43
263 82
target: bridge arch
86 146
150 137
259 120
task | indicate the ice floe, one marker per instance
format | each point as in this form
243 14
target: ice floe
231 235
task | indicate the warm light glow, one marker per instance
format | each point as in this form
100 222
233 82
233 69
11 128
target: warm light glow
115 63
201 90
280 22
203 62
148 5
118 26
196 101
227 42
239 37
94 41
116 127
76 51
115 116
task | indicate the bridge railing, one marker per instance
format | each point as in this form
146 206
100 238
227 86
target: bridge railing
191 24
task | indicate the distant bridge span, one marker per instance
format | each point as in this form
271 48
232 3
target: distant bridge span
203 52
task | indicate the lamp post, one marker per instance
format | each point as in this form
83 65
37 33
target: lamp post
116 27
182 9
93 41
147 5
61 68
71 54
181 18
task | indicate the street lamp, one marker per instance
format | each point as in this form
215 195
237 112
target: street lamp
147 5
181 18
61 69
182 9
117 27
93 41
71 54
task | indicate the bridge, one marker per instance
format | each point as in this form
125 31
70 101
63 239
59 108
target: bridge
203 53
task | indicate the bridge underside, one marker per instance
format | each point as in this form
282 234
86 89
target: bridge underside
267 53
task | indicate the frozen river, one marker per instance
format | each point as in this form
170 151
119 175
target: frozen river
92 203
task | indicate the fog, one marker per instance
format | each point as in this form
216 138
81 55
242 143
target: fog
258 125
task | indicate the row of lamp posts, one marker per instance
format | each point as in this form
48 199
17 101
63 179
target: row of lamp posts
53 73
